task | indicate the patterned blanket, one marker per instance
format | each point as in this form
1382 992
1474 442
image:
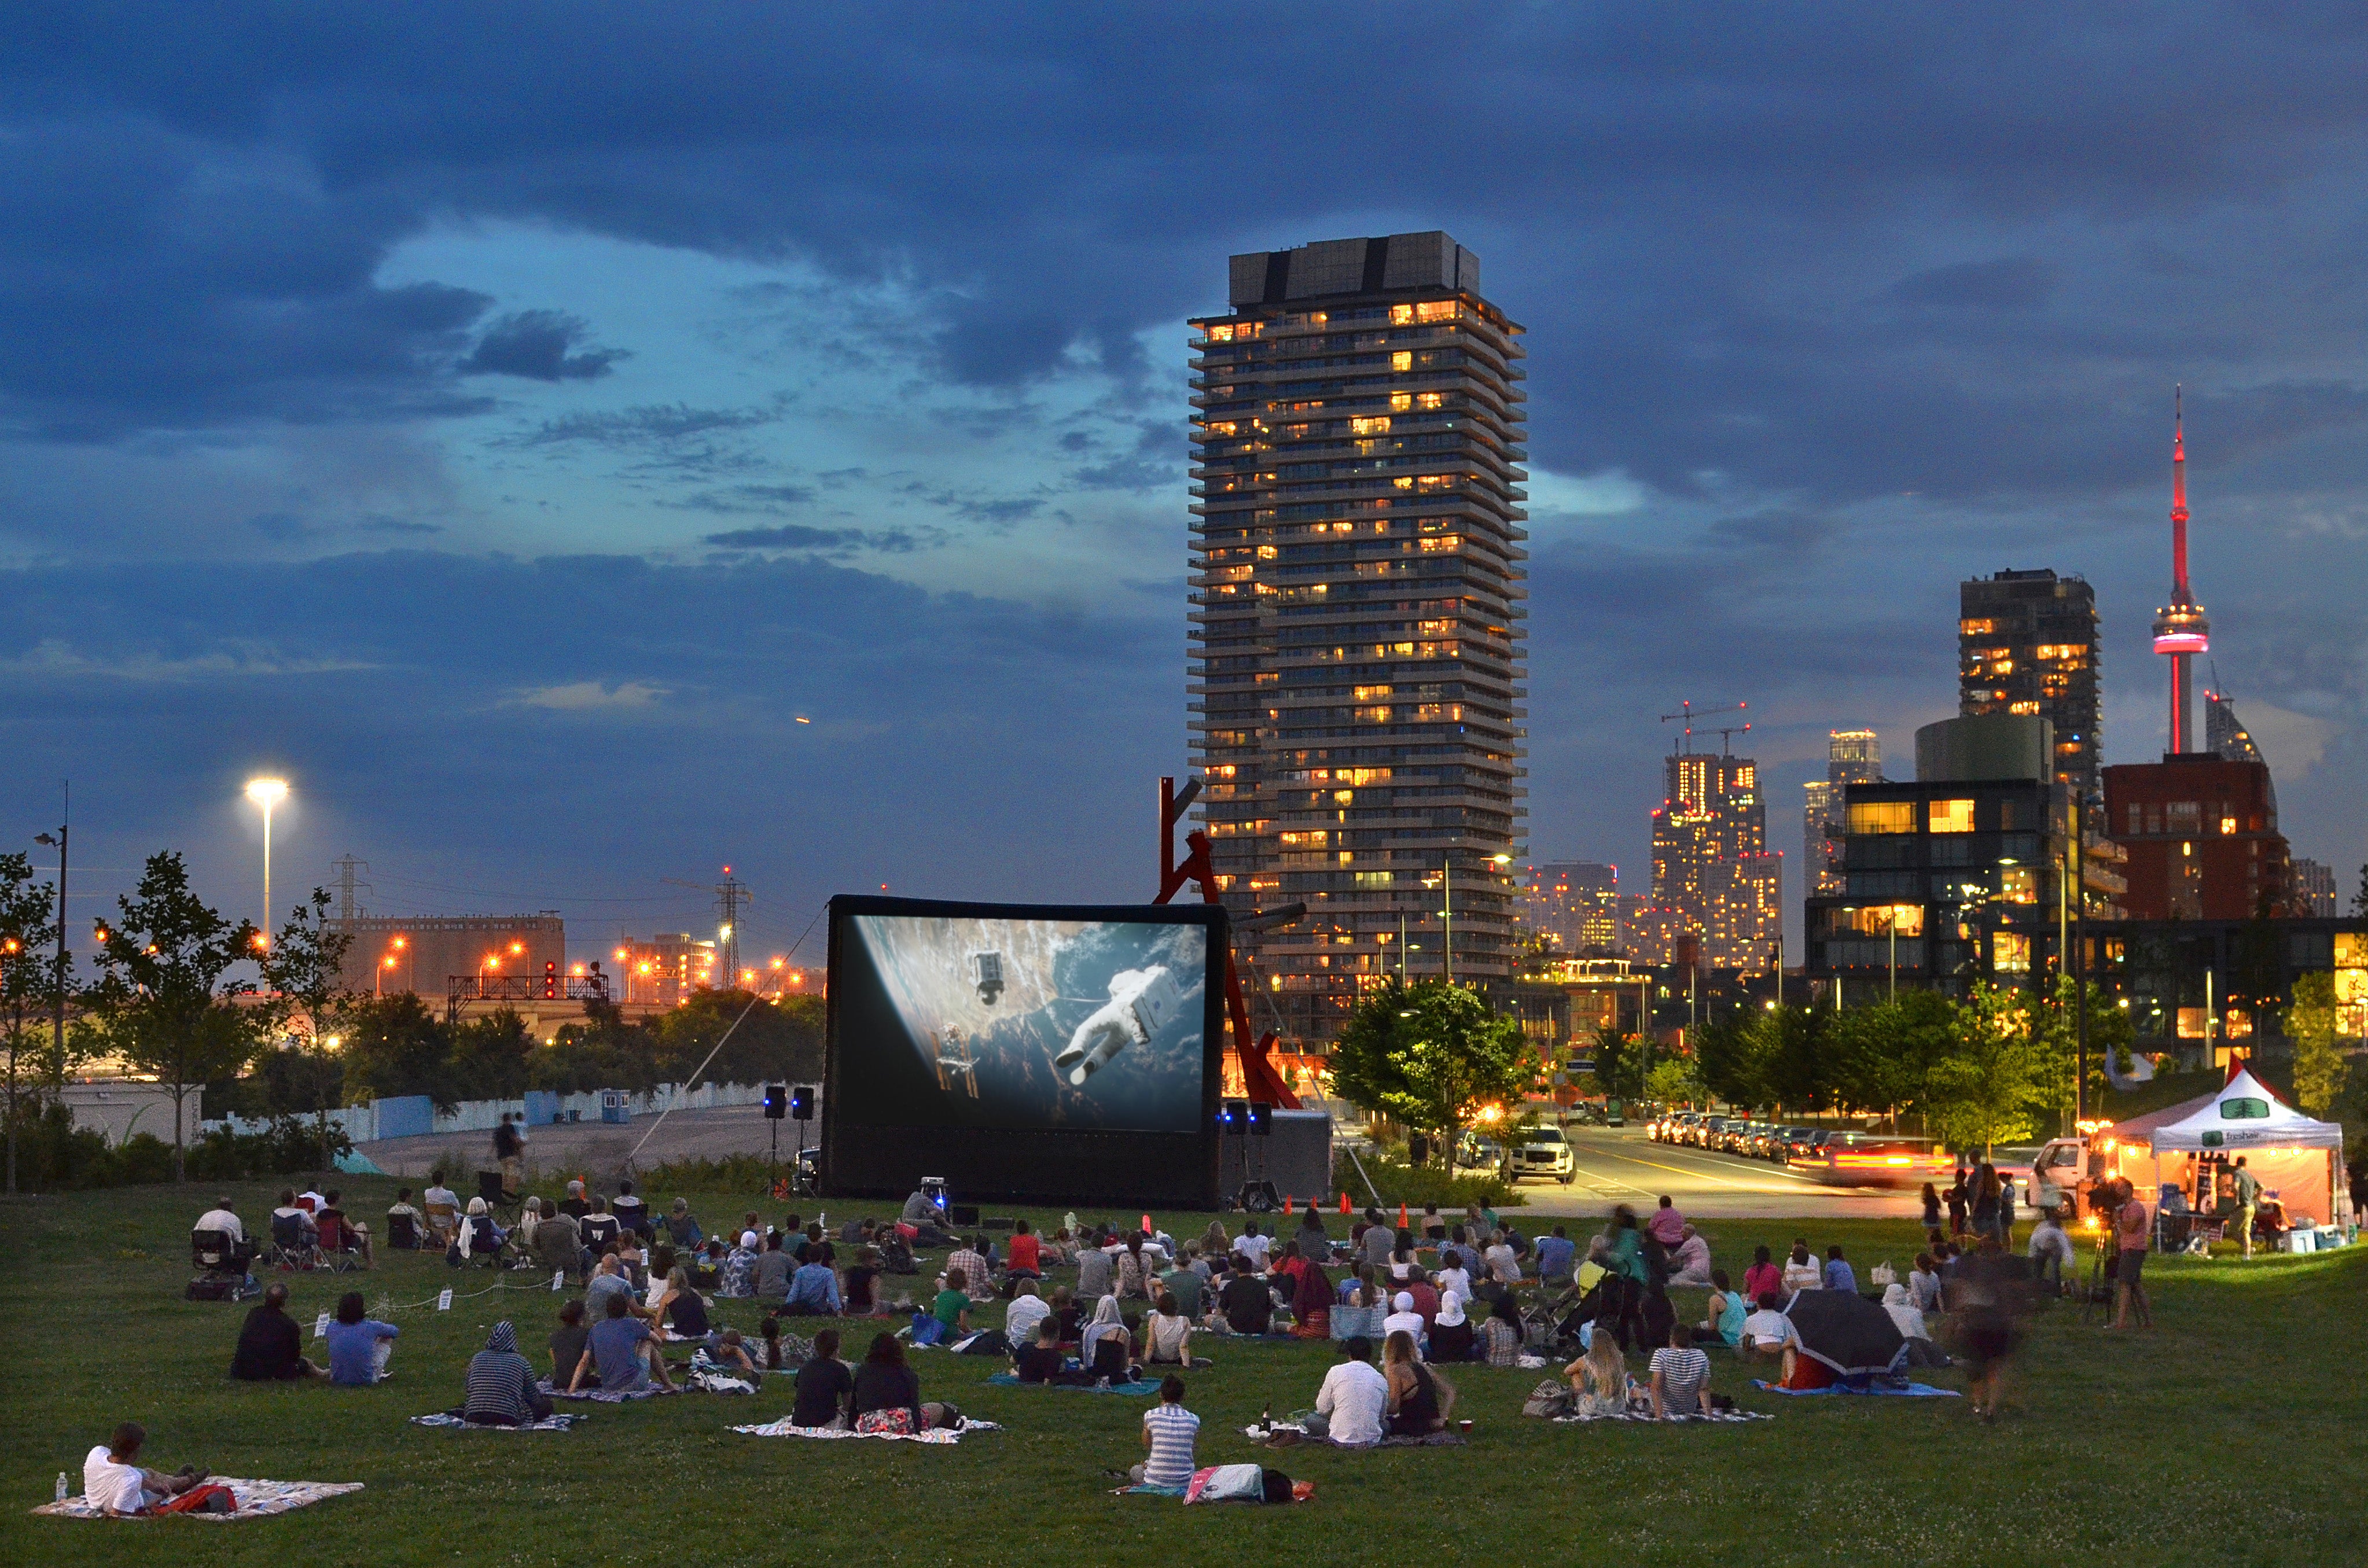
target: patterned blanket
940 1436
560 1421
1651 1420
256 1499
1294 1434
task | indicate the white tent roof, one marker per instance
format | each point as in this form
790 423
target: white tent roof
2246 1114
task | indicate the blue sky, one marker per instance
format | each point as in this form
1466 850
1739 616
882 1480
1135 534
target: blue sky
511 426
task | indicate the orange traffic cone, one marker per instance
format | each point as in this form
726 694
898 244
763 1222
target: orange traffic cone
1344 1202
1286 1203
1146 1225
1401 1217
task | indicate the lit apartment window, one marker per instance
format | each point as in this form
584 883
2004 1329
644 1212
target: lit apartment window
2019 884
1976 628
2010 952
1882 816
1377 426
1950 816
1402 360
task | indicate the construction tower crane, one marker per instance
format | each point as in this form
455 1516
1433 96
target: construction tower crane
1688 714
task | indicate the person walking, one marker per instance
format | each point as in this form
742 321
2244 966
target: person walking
509 1150
2249 1200
2132 1227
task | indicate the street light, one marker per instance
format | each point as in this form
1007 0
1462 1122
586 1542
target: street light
267 793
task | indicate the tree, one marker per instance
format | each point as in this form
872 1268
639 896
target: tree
2058 1026
395 1046
1673 1082
772 1044
1880 1056
1430 1055
1729 1062
2319 1068
28 932
1981 1093
1619 1062
162 1002
491 1057
2359 899
303 969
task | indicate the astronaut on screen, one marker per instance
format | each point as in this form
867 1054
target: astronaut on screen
1141 1001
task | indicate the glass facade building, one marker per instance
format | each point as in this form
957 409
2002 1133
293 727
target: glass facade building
2027 643
1355 622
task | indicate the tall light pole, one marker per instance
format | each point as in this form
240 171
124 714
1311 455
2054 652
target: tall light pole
267 793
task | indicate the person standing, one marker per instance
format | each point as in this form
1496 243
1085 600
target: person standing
2132 1227
509 1152
2249 1200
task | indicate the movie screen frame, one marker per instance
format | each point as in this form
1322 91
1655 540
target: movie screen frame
864 1153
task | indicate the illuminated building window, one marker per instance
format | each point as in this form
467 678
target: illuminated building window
1367 693
1435 310
2019 884
1401 401
1401 315
1372 715
1950 816
1976 628
1882 816
1443 542
2010 952
1222 333
1430 400
2227 824
1402 360
1377 426
2024 707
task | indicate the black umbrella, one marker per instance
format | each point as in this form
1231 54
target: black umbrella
1848 1332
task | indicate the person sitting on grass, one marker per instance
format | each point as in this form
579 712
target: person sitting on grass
681 1229
1420 1399
1041 1359
1770 1335
1027 1311
953 1306
1310 1302
737 1280
825 1386
1724 1324
1350 1406
1403 1318
1680 1376
270 1347
114 1482
860 1293
1168 1334
1762 1276
1169 1432
813 1288
1924 1283
1838 1275
1801 1270
1500 1336
1245 1303
886 1396
769 1281
621 1353
568 1339
1452 1334
358 1343
502 1390
1106 1345
608 1279
1689 1261
1556 1252
1598 1377
682 1308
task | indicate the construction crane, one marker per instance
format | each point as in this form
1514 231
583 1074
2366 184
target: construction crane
1727 732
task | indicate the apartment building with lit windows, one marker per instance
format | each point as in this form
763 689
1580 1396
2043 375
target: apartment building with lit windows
1355 624
1717 890
1853 756
2027 643
1577 904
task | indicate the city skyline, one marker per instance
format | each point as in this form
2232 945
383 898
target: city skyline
515 499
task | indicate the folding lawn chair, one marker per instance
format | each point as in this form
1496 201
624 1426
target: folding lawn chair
290 1247
337 1248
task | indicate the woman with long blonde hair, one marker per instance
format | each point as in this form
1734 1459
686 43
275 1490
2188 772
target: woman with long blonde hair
1599 1376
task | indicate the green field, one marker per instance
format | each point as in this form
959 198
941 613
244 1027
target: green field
2234 1433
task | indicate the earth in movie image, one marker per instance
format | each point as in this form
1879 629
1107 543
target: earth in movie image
1094 1024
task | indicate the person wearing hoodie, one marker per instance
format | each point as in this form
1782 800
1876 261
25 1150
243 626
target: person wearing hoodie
502 1391
1451 1333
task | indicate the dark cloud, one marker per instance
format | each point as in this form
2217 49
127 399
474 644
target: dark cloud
749 499
2010 283
637 429
535 345
789 536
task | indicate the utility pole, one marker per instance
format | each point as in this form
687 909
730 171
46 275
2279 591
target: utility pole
1447 915
2080 965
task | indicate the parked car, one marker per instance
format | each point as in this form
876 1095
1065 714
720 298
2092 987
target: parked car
1707 1131
1543 1152
1787 1139
1805 1147
1479 1157
1586 1113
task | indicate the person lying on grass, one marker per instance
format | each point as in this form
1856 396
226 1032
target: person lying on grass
1680 1376
621 1353
1420 1399
271 1346
1168 1433
502 1391
113 1481
731 1355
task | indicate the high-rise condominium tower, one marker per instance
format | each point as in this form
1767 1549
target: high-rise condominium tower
1355 622
1717 890
1577 902
1853 756
2027 643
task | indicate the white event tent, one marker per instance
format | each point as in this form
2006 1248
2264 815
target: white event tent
2289 1154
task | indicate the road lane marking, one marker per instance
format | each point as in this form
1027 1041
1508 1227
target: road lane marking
1701 1173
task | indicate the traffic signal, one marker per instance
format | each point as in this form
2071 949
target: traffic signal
551 981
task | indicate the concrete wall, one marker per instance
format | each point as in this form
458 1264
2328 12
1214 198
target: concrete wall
403 1117
117 1110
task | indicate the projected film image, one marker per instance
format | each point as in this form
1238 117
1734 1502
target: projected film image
1020 1024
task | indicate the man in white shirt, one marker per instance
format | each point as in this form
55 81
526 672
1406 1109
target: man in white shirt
1253 1246
310 1202
113 1480
1403 1316
1349 1406
2052 1250
220 1218
1027 1311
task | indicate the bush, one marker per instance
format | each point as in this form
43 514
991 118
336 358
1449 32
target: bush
735 1172
1417 1184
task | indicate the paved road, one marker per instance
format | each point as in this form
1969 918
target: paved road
1622 1166
596 1147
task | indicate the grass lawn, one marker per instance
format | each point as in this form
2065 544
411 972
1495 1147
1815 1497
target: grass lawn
2233 1434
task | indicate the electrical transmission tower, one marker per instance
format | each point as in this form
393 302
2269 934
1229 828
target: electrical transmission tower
349 882
731 896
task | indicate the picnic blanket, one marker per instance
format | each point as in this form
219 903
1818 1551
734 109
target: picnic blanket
1144 1489
1912 1391
940 1436
1427 1440
450 1419
1660 1421
256 1499
1138 1388
608 1396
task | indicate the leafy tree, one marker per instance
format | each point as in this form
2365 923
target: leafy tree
1430 1056
28 933
394 1045
1996 1072
303 971
491 1057
2319 1068
768 1043
2359 899
1791 1047
1673 1082
161 1000
1880 1056
2057 1027
1729 1062
1619 1062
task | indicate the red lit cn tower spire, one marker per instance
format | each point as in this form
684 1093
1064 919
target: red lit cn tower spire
2179 630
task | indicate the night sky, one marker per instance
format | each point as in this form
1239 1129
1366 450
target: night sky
509 422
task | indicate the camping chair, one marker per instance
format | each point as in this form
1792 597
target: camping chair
337 1249
290 1247
443 1220
489 1187
403 1232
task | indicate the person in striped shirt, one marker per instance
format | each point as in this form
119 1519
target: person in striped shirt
1169 1431
502 1391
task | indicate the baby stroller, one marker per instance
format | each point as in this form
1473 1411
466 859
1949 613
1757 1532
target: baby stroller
1551 1328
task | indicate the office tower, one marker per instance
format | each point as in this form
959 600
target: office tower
1717 890
1954 877
1853 756
2027 643
2310 890
2180 631
1577 902
1357 639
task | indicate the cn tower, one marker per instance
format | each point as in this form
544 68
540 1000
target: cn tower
2179 630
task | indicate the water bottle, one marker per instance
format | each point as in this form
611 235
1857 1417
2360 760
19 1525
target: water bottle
62 1486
